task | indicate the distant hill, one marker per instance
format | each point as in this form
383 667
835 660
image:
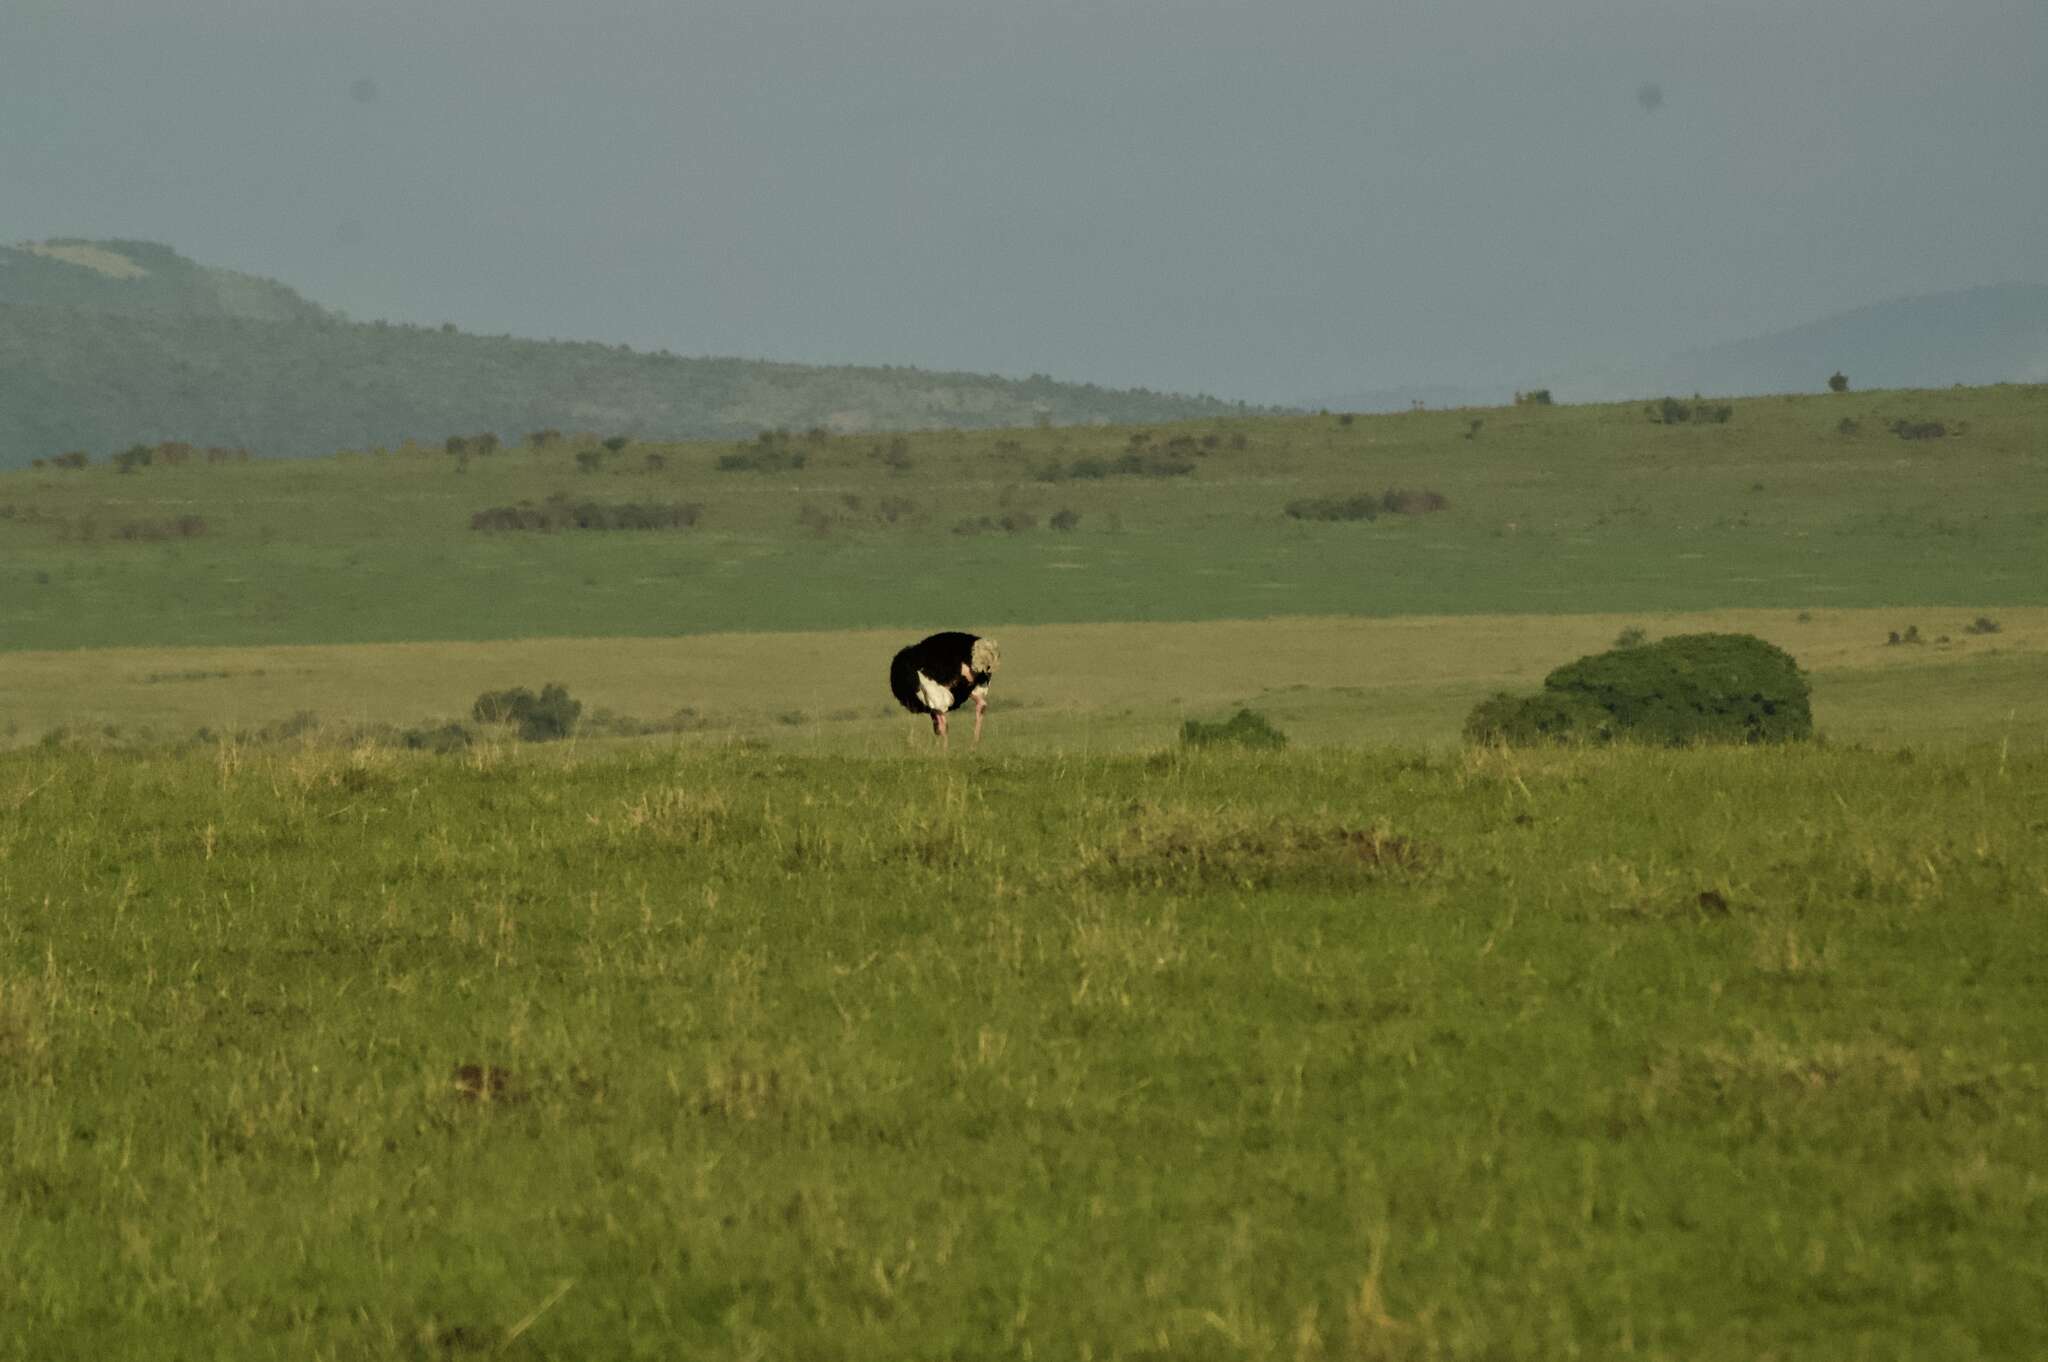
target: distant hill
141 279
1994 334
104 344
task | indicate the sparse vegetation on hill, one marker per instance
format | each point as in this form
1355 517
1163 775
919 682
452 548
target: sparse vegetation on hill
560 513
1562 508
142 279
100 362
1670 411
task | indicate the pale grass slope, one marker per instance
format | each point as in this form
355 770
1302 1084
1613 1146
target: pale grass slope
1344 681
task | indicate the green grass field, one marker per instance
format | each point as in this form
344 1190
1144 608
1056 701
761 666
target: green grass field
1693 1055
1065 688
1551 510
778 1034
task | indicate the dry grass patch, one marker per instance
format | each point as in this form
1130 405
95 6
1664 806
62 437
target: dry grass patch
1179 847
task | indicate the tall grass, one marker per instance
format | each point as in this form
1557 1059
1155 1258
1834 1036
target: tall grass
1307 1054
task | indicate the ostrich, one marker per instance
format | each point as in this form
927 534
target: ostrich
941 673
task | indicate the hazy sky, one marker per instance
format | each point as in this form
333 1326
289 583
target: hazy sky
1270 201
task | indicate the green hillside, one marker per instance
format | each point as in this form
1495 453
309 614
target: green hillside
141 279
1793 502
105 344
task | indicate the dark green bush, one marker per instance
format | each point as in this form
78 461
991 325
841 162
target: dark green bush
1246 728
1531 720
762 458
1684 689
1672 412
442 738
541 718
1364 507
559 513
1918 430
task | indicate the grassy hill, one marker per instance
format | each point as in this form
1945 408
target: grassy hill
141 279
1808 502
105 344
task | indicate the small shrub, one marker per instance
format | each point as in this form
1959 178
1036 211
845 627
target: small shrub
1912 635
543 439
442 740
1134 463
1838 382
815 519
1631 637
1670 411
1345 418
589 460
1535 397
762 458
1246 728
617 443
1684 689
134 457
1366 507
1472 430
1848 426
1396 502
540 718
1983 624
156 531
559 513
1065 520
1016 522
1533 720
893 509
895 456
76 458
971 525
1918 430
